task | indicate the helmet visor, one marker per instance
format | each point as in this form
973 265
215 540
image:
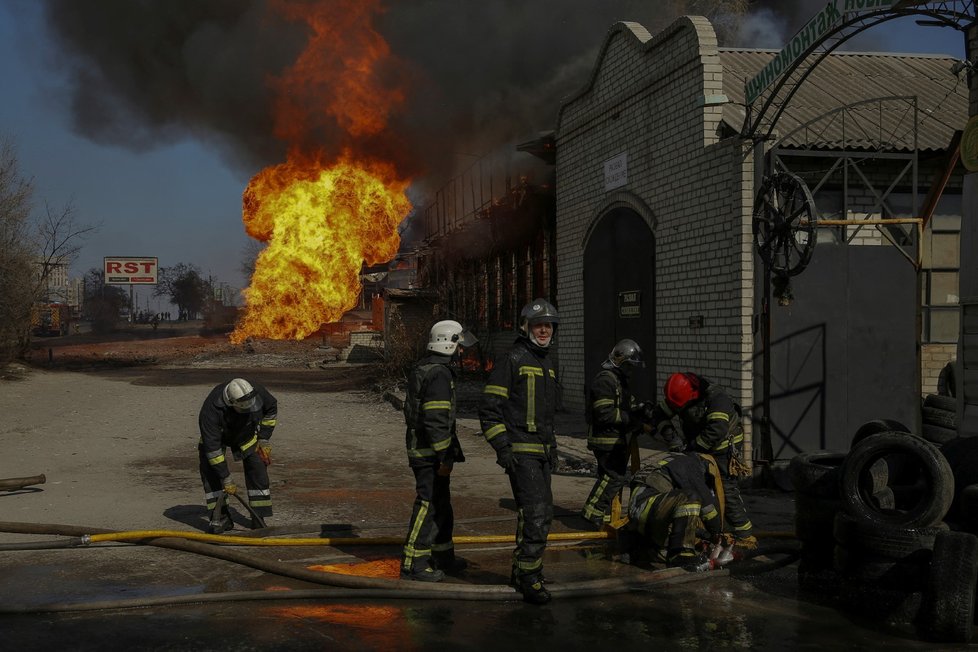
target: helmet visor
467 339
250 402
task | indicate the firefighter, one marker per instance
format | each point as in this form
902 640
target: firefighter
670 496
517 418
613 416
239 415
710 423
432 450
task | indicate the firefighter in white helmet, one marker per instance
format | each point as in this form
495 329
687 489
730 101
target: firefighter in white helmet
239 415
432 450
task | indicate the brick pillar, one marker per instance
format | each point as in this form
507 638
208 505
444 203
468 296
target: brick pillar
969 225
967 369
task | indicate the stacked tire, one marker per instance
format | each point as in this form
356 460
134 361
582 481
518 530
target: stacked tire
894 556
939 420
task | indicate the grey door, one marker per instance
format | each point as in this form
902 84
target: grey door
619 292
844 351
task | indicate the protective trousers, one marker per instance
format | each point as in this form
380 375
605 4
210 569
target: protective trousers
734 511
665 519
612 466
530 480
432 519
256 481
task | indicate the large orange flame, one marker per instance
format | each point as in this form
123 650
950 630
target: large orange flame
324 214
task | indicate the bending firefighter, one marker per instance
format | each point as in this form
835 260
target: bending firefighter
517 416
239 415
711 425
613 416
433 449
671 495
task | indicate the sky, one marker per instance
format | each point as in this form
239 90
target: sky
157 152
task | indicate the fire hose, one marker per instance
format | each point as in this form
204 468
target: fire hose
356 586
11 484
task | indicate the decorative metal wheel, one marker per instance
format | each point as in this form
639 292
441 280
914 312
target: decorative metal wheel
785 223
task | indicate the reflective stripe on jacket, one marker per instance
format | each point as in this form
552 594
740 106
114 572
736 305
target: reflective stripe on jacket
609 411
519 401
429 413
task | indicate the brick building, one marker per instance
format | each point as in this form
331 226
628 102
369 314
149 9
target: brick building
654 241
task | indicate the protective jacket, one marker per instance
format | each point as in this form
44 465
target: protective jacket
685 472
429 412
611 410
222 426
519 401
711 425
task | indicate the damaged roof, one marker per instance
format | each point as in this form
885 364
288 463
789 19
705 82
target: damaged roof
845 78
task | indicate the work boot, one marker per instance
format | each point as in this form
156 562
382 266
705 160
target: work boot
743 545
449 563
533 590
514 578
423 573
219 527
257 524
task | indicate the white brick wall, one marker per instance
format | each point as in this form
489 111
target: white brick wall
645 99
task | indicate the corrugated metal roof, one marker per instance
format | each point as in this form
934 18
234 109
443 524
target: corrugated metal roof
845 78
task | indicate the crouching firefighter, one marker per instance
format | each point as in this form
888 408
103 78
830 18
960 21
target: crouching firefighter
433 449
239 415
613 417
517 418
711 425
671 495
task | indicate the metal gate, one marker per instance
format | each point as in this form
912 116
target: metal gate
843 352
619 292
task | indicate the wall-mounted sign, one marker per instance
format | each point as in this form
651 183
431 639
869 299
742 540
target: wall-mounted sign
630 304
127 270
616 172
969 145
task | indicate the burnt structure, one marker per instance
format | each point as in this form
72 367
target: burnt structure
653 232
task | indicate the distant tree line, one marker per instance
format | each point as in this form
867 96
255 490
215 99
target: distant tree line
32 245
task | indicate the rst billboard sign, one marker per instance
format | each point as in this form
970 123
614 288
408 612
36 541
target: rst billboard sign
127 270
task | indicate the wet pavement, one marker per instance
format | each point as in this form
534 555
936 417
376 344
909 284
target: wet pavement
760 604
340 470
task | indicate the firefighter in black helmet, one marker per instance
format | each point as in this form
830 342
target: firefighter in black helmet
613 417
432 450
517 417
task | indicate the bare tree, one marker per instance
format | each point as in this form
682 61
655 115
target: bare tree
187 289
16 255
29 250
58 240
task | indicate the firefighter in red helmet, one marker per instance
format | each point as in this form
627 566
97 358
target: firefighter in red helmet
709 423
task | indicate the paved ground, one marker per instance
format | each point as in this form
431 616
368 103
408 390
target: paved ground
117 447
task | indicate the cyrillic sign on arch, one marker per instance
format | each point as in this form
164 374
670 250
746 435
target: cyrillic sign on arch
817 27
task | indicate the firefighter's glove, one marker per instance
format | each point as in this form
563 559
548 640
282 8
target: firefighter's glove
265 451
647 411
444 469
229 487
505 459
745 543
552 457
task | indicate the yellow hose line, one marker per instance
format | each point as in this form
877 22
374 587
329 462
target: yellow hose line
347 541
134 535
